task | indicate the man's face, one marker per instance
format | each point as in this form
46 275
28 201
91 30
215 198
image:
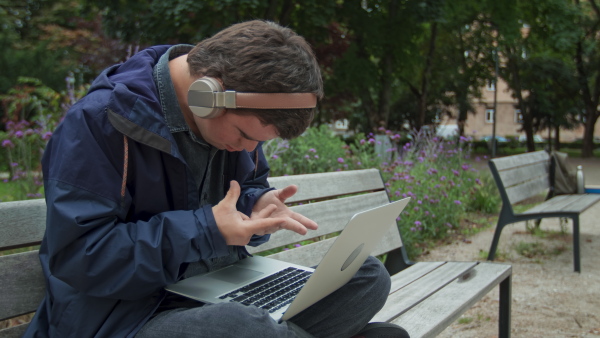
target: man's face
234 132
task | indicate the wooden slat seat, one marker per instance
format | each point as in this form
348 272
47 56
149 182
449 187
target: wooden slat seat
524 176
425 297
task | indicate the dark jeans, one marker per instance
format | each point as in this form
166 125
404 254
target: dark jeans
341 314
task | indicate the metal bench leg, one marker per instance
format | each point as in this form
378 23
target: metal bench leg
494 246
505 308
577 262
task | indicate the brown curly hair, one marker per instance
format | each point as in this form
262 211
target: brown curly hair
262 57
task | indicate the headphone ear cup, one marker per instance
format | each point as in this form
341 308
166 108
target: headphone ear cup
202 98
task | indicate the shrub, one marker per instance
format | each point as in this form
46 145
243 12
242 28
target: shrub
32 113
438 175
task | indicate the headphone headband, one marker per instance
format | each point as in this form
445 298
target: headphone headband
207 99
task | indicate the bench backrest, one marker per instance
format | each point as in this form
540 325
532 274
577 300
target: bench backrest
522 176
328 198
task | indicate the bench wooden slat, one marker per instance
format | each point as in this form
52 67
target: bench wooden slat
566 203
325 185
412 273
446 305
527 190
329 221
22 284
518 175
401 300
521 160
26 222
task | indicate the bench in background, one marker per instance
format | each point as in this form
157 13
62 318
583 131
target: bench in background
524 176
426 297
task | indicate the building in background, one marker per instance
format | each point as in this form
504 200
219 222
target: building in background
508 123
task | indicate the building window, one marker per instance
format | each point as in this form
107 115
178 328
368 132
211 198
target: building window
489 116
518 116
491 85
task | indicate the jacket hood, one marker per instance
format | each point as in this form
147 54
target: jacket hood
133 101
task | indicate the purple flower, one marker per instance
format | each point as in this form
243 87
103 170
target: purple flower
18 134
443 178
417 223
457 202
316 156
7 144
297 245
275 156
46 136
455 172
340 160
312 150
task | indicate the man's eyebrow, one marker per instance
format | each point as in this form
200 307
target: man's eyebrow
244 135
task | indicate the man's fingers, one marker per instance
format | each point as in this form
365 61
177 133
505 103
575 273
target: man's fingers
273 224
233 194
287 192
305 221
267 211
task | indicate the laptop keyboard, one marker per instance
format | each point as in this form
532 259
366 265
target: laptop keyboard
273 292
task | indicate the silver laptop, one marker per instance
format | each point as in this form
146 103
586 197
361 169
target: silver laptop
285 289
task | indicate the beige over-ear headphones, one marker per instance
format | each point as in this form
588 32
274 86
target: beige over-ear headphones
207 99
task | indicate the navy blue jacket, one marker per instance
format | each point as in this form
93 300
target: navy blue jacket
107 255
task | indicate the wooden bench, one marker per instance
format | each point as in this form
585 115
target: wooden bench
426 297
524 176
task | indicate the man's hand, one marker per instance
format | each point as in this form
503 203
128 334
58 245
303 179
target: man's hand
278 198
237 228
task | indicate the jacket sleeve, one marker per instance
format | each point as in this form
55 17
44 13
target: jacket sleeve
88 244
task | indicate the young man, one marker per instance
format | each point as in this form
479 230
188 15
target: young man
143 191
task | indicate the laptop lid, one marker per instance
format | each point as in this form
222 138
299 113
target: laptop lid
347 254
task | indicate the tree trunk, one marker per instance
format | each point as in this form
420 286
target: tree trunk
385 94
556 137
516 84
422 107
587 149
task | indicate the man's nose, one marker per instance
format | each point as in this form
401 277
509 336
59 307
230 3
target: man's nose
249 145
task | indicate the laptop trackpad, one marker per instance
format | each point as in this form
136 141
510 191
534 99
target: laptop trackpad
234 274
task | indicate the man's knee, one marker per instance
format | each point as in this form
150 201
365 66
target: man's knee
377 274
